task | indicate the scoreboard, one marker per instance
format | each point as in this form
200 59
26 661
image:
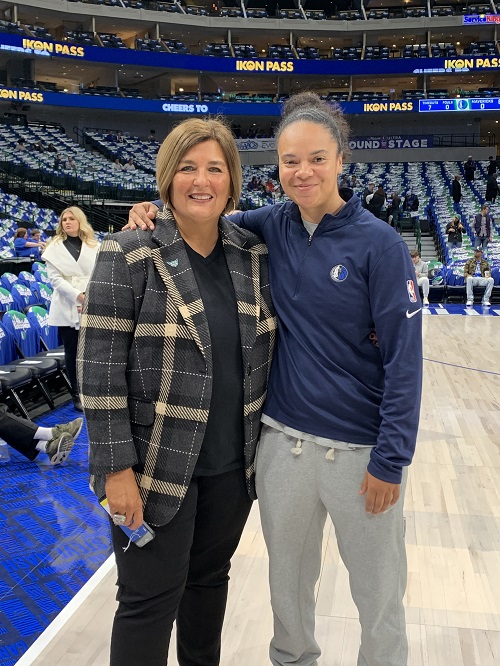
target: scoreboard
461 104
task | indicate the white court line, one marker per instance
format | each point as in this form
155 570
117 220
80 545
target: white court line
58 623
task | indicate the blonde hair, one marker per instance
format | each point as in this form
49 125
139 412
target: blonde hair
182 138
86 233
20 232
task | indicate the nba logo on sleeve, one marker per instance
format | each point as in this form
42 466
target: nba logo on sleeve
411 291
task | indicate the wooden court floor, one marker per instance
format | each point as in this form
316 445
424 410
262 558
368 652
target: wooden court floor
453 534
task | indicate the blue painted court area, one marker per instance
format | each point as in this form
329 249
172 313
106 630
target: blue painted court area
54 536
462 309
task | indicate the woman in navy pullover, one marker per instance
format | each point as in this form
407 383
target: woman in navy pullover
342 408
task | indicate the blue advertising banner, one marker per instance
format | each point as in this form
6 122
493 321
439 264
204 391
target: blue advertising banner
131 57
189 108
471 19
234 108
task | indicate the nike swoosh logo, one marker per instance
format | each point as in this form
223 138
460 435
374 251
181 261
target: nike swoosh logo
409 315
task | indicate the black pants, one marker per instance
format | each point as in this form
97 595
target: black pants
181 575
69 337
18 433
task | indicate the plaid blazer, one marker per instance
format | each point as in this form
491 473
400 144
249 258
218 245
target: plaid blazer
144 358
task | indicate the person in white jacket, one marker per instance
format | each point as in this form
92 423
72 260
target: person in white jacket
70 257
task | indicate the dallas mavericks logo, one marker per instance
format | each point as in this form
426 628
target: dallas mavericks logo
339 273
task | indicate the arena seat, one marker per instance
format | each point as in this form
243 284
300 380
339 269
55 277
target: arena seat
27 344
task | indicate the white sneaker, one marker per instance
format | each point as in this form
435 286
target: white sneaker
486 304
425 301
469 303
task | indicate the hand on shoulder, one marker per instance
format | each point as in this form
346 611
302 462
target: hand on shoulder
142 215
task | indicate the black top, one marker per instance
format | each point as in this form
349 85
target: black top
74 246
223 445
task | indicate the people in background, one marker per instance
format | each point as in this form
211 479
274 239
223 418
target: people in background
24 246
469 169
29 439
129 166
270 187
368 191
491 188
70 163
421 271
492 165
477 274
152 135
177 339
253 184
394 212
58 162
36 236
51 148
21 146
341 415
70 257
376 201
117 165
454 229
456 193
483 228
410 205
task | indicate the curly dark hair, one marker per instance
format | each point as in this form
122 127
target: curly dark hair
309 107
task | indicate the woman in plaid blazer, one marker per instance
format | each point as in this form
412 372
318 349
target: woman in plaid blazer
175 348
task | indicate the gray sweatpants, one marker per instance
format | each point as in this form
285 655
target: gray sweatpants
295 494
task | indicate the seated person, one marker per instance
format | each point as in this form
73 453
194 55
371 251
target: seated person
21 145
51 148
269 186
253 184
36 237
477 274
29 439
24 246
421 270
117 165
70 163
129 166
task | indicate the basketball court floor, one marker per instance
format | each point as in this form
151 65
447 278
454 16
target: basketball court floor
57 574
